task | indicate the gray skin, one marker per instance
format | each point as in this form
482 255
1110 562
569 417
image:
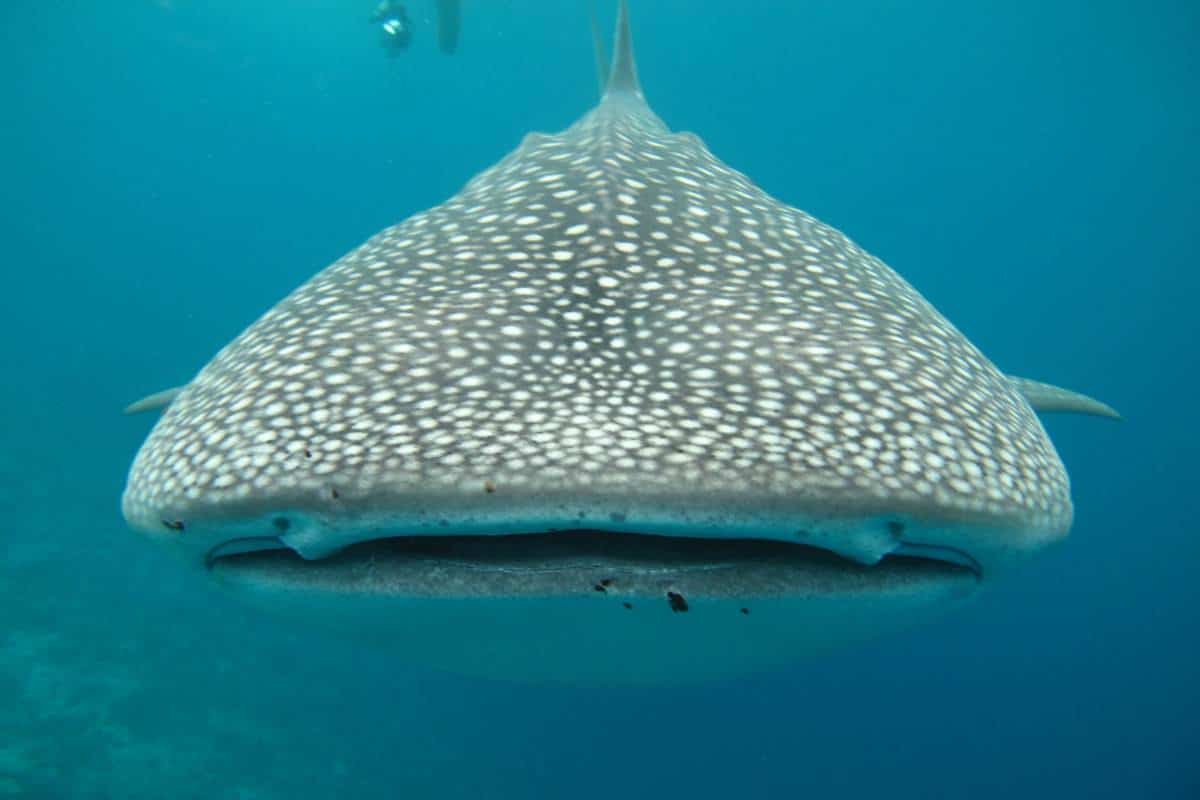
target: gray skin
609 357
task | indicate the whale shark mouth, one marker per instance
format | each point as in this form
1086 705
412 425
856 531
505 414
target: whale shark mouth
574 562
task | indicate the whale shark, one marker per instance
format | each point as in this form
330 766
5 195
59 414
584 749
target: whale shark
612 413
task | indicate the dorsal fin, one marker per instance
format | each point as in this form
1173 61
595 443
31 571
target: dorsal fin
622 76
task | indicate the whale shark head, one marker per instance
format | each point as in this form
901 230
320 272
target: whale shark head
610 411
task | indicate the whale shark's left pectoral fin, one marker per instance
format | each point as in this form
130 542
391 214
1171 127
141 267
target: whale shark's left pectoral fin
1046 397
153 402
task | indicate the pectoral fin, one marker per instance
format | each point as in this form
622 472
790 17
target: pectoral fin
1046 397
154 402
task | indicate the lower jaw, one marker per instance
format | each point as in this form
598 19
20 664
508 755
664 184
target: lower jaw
598 612
583 563
586 608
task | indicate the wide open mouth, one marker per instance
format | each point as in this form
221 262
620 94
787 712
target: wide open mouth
579 562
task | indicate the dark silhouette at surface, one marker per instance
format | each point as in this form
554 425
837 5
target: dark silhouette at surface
396 29
394 26
449 19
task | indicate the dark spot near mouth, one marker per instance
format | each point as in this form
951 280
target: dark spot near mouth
627 605
489 487
599 588
173 524
307 453
895 528
617 516
281 524
606 582
334 493
745 611
677 602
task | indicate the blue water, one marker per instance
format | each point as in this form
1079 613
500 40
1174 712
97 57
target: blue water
170 169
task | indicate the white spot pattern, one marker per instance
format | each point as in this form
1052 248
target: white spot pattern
607 310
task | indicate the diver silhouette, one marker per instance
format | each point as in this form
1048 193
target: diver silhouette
396 28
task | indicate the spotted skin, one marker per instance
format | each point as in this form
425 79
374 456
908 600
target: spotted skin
608 324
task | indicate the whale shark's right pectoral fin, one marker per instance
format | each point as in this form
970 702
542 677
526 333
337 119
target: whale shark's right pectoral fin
153 402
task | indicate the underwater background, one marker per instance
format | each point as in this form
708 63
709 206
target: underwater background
171 169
